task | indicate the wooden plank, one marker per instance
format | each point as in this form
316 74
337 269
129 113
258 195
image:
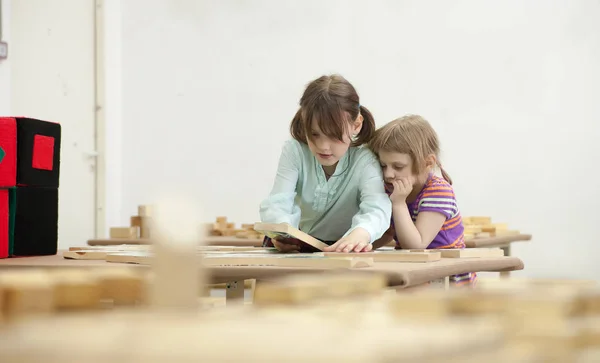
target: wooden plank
283 260
213 241
471 252
496 241
294 260
123 247
392 256
87 255
99 252
273 230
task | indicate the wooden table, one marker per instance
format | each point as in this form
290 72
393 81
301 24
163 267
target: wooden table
503 242
399 274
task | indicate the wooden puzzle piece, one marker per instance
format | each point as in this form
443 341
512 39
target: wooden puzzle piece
274 230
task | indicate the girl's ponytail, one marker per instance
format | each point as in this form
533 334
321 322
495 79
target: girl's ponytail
368 127
297 127
444 174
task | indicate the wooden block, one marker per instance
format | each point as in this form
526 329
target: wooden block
489 228
472 230
123 232
500 226
473 302
538 313
75 289
349 283
296 289
285 230
136 221
507 233
427 305
230 225
26 292
221 220
145 211
471 252
123 286
477 220
392 256
146 228
290 290
588 302
228 232
483 235
209 302
248 226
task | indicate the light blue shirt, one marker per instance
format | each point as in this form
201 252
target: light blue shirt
354 196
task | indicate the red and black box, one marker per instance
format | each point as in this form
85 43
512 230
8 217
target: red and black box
29 181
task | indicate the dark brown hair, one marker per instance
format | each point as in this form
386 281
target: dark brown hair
333 102
411 135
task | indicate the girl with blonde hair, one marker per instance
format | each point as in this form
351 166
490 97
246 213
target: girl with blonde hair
424 209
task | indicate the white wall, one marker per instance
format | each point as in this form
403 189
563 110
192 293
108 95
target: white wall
5 64
209 88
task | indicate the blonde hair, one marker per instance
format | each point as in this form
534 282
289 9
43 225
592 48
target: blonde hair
412 135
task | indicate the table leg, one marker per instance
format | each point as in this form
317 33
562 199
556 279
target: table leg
252 290
234 292
443 283
506 249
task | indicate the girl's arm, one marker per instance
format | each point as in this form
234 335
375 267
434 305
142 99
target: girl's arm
416 235
373 217
435 207
279 206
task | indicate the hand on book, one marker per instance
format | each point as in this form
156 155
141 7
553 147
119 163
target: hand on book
356 241
284 244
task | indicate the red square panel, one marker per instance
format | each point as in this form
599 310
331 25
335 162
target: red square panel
8 152
43 152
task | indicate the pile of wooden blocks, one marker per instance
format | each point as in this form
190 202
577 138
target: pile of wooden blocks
482 227
139 225
224 228
545 321
32 291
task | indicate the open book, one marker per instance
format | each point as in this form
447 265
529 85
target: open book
274 230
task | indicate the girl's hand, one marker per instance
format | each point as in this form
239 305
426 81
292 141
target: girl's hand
357 241
286 244
402 189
